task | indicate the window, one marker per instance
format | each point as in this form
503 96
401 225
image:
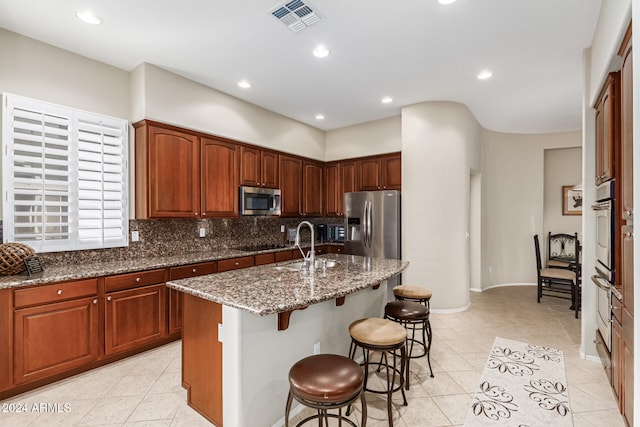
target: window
64 177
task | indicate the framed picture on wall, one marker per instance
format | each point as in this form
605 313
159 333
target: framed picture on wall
571 200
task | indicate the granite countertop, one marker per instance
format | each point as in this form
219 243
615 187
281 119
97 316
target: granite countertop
264 290
60 273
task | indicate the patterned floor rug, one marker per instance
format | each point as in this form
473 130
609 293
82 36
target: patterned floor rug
522 385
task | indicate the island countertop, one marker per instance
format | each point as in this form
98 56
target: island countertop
267 289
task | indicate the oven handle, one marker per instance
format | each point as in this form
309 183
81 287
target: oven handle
603 206
598 281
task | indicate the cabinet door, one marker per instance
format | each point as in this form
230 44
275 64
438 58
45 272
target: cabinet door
269 169
616 347
219 178
249 166
175 311
391 172
54 338
606 128
348 182
312 194
176 297
172 174
290 185
332 189
626 403
134 317
625 180
369 172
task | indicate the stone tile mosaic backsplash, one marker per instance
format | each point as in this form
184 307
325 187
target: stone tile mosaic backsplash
162 237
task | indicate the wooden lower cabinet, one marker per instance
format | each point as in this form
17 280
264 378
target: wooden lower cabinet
202 357
53 338
334 249
134 317
175 297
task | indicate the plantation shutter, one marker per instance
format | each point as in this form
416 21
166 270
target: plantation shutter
64 177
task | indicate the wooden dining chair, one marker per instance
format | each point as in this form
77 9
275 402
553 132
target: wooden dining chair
555 282
561 250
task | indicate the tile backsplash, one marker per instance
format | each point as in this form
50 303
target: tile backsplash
160 237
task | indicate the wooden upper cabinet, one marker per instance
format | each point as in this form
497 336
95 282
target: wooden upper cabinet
369 172
167 173
332 189
258 168
380 172
312 189
625 177
607 122
219 174
339 178
290 185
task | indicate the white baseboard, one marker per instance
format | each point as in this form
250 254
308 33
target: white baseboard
501 285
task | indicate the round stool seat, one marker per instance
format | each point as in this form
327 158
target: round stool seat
377 332
326 378
412 291
406 310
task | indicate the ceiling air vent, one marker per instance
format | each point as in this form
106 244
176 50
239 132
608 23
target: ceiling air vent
296 14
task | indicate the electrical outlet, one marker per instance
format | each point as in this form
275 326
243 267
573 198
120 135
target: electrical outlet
316 348
203 232
135 236
282 228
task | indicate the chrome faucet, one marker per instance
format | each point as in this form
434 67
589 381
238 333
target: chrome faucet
311 255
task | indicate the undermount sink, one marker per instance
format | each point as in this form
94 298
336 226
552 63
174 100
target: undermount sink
295 266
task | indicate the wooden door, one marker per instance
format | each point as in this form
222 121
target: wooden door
606 128
219 178
626 403
176 297
167 174
269 169
290 185
616 349
332 186
312 184
348 181
369 174
134 317
249 166
391 172
54 338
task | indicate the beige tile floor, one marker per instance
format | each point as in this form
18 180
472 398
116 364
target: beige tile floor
145 390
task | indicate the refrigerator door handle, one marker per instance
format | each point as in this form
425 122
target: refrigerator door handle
370 223
365 218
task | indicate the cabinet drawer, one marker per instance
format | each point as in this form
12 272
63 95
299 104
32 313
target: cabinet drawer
235 263
56 292
283 256
132 280
262 259
192 270
321 250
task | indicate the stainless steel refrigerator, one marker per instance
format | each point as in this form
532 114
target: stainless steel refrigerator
372 226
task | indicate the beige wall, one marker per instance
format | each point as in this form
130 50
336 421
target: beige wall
513 202
377 137
172 99
561 167
440 150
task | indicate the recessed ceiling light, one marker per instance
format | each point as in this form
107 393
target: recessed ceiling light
244 84
320 51
446 1
387 100
319 116
484 74
88 17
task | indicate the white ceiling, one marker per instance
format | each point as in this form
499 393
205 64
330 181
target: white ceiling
411 50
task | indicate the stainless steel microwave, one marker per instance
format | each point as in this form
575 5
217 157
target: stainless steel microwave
259 201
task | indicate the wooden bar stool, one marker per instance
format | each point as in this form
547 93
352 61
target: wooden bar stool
421 295
389 338
324 382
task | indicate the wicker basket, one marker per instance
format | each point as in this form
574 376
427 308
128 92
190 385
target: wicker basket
12 257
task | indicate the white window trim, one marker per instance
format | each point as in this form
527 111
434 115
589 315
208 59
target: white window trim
102 178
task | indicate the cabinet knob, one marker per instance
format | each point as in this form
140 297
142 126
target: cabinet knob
108 298
204 213
59 292
237 263
137 279
628 213
95 301
195 213
194 270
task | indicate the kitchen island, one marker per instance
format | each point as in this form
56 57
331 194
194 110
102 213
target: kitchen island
244 329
